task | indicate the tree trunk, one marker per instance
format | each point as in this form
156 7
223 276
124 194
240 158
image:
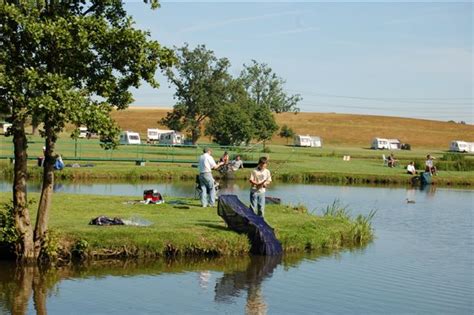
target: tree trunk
46 192
24 249
194 136
34 126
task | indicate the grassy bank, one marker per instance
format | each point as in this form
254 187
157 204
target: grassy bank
184 229
298 165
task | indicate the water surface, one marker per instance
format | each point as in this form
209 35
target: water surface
420 262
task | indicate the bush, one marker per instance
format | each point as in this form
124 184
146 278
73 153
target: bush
455 162
8 232
452 157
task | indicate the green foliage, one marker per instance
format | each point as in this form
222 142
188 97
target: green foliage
67 62
80 248
286 132
265 88
361 230
455 162
8 232
453 157
50 246
231 125
337 210
202 84
264 123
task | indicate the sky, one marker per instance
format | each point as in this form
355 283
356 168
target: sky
408 59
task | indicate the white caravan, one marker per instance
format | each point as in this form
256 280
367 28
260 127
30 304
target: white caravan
5 126
172 138
130 137
461 146
389 144
154 134
307 141
83 132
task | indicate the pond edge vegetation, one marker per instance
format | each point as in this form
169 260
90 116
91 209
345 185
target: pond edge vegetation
299 176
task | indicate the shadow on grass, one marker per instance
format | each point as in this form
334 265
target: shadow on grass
214 226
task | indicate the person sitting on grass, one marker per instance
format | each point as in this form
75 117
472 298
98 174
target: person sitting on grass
430 165
224 161
236 164
391 160
411 168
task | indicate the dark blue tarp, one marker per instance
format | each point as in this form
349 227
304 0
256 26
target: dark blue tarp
243 220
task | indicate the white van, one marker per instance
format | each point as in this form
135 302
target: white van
154 134
389 144
83 132
172 138
130 137
307 141
461 146
5 126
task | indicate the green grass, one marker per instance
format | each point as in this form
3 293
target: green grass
289 164
180 232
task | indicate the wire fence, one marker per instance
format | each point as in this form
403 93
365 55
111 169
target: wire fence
91 150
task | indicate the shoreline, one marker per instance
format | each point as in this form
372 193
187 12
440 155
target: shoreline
173 172
181 228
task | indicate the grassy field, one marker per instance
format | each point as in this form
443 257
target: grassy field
288 164
179 230
342 135
335 129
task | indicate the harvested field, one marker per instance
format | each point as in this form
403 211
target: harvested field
335 129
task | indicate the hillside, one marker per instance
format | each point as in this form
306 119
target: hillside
335 129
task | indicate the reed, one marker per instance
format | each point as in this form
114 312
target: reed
361 226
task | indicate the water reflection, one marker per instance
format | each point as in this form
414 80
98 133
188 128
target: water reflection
27 289
231 284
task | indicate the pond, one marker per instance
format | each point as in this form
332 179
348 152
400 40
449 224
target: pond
420 262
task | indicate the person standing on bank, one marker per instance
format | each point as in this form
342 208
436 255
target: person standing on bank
260 178
206 165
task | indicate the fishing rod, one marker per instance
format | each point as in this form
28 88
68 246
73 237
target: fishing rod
278 168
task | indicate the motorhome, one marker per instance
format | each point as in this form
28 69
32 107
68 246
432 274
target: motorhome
461 146
389 144
307 141
5 126
130 137
154 134
172 138
83 132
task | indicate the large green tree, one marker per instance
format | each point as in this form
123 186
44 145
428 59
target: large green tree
265 88
202 84
231 125
265 91
66 62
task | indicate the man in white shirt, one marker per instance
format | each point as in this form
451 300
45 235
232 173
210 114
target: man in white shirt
260 178
206 165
